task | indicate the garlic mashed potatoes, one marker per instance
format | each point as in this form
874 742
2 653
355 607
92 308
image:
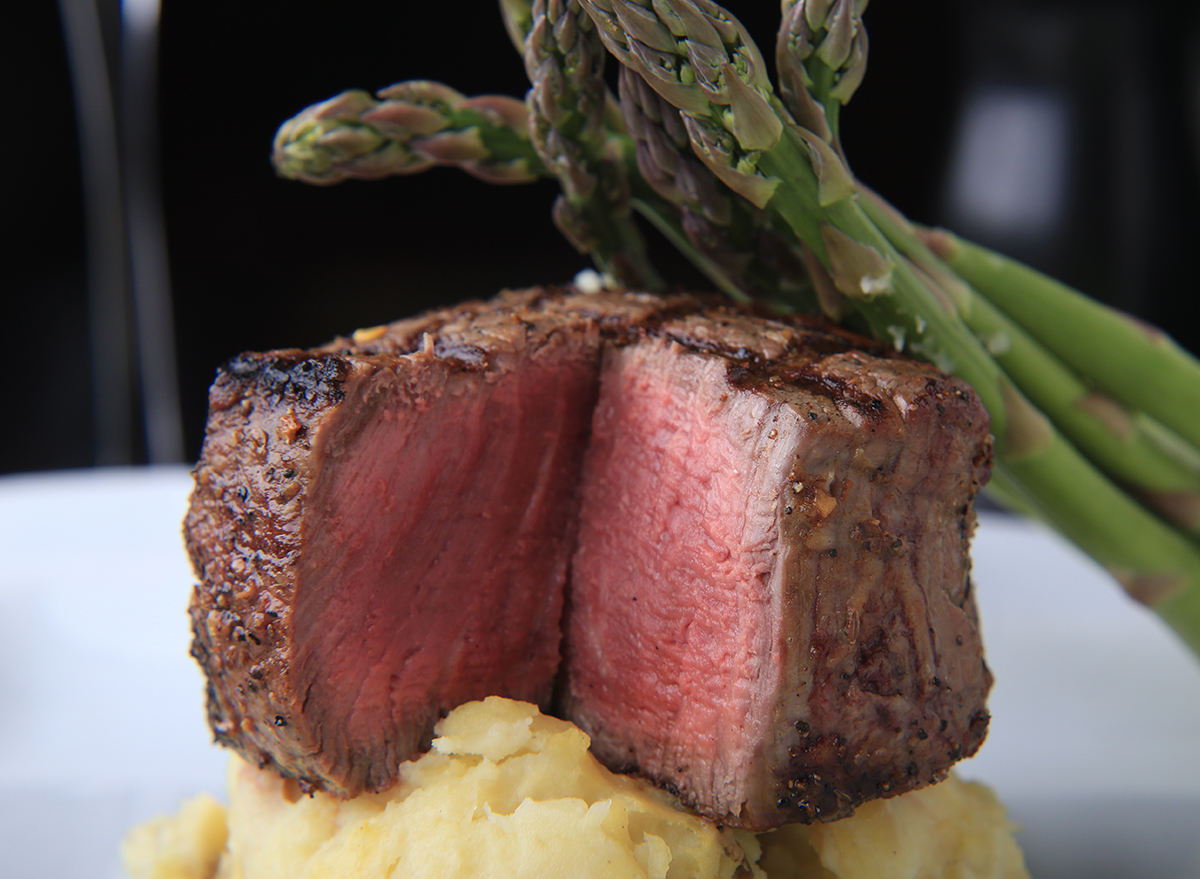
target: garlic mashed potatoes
510 792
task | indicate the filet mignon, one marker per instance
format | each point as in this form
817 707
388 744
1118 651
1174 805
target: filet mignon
768 607
382 529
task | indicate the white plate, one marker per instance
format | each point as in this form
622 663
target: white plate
1094 744
1095 741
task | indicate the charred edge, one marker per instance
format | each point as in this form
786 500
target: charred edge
809 377
977 727
744 357
296 376
826 337
810 342
218 720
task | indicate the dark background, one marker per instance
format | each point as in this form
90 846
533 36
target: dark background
257 262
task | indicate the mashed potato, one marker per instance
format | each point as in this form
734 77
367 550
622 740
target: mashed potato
509 792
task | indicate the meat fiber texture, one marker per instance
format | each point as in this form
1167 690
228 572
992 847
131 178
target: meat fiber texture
770 601
382 530
768 611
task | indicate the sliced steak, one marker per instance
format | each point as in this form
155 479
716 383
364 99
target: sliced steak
382 529
770 608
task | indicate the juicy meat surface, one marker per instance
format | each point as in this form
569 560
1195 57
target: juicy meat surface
759 577
384 534
770 608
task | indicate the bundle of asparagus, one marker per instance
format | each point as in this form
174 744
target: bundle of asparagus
1096 417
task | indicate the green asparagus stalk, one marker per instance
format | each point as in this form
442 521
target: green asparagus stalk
693 210
418 125
1123 445
534 35
1126 446
1134 357
738 132
732 233
821 58
564 59
821 53
411 127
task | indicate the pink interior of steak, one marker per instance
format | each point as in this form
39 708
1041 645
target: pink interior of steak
671 624
438 543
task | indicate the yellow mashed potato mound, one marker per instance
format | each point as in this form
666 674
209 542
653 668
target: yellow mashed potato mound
509 792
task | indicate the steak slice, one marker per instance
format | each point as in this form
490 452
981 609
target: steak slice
770 610
381 530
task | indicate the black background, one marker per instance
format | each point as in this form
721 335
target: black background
258 262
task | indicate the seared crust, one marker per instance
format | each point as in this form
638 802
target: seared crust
880 584
242 532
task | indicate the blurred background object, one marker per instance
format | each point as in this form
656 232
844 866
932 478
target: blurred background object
90 248
1064 133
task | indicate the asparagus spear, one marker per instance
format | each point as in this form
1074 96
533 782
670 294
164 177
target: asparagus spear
560 79
732 233
565 62
821 56
570 133
741 133
411 127
821 49
1123 444
1134 358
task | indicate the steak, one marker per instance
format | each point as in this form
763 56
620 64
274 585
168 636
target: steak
381 530
746 536
770 608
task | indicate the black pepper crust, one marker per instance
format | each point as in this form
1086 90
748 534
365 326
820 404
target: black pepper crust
241 532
